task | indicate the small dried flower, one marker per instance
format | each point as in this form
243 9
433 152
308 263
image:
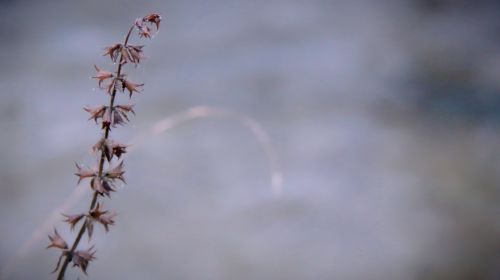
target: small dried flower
117 118
102 186
56 241
98 146
144 31
125 108
84 173
106 220
130 86
125 56
110 148
108 186
102 75
73 219
153 18
103 217
134 54
130 53
82 258
114 148
107 118
116 172
113 51
118 149
115 83
96 112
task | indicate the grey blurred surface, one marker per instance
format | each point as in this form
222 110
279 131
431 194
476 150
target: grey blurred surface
384 116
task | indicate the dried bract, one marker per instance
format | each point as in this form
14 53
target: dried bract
102 186
96 112
130 86
115 148
102 75
144 31
103 217
113 51
116 173
129 53
84 173
73 219
110 148
56 241
118 149
135 53
125 108
82 258
153 18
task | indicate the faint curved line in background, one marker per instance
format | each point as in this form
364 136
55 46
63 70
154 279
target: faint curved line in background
201 112
190 114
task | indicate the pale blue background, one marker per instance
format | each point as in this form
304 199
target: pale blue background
384 115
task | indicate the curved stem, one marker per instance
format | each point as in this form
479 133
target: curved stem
107 129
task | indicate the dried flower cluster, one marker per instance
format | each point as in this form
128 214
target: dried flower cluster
104 177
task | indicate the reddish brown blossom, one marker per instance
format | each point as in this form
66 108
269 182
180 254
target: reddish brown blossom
114 148
117 116
107 118
98 146
116 172
73 219
84 173
107 220
118 149
82 258
113 51
96 215
153 18
144 31
135 54
103 217
102 75
56 241
96 112
117 119
130 86
115 83
102 186
110 148
125 108
125 56
129 53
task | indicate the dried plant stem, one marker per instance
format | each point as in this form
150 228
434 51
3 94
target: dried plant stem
103 181
107 129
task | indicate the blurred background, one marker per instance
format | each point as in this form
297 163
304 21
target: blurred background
379 122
